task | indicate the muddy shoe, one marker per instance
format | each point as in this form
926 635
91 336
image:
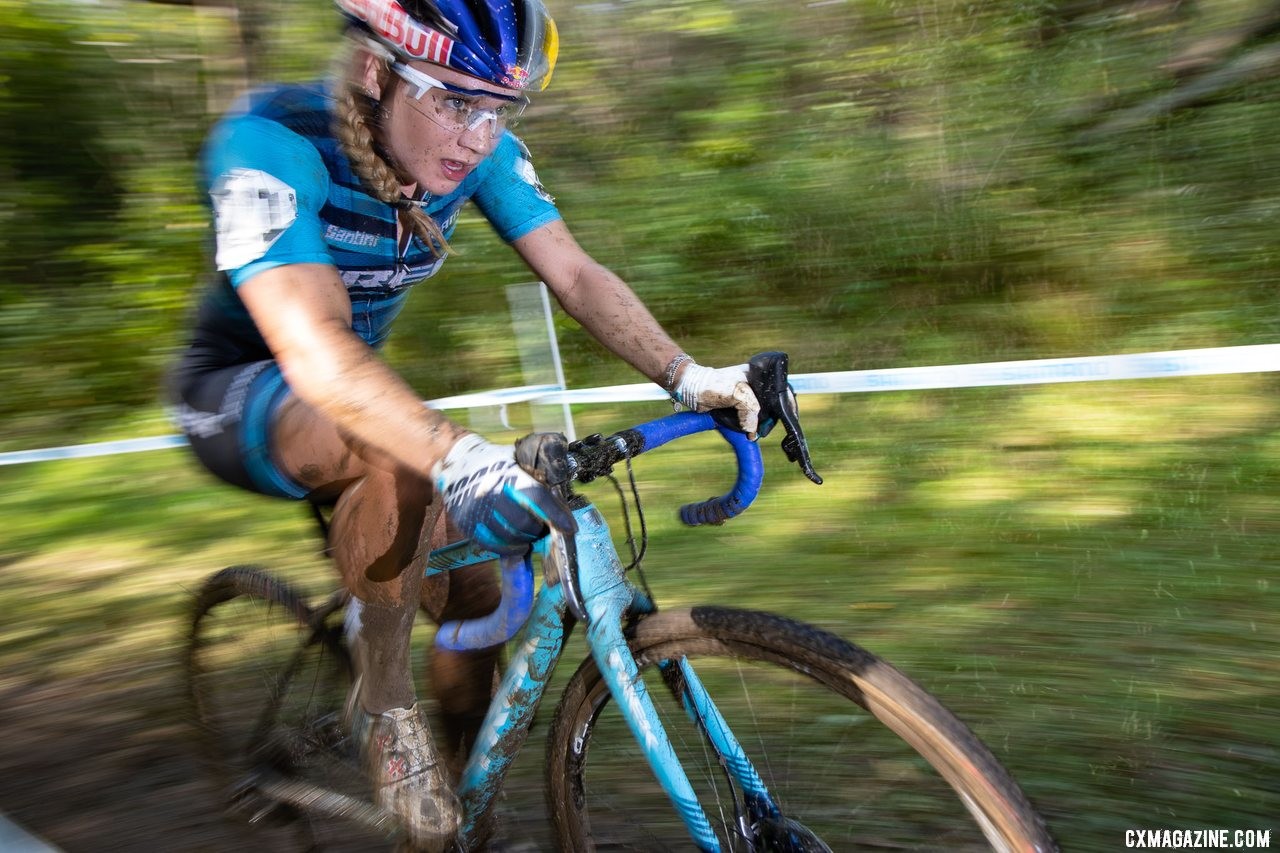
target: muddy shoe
409 778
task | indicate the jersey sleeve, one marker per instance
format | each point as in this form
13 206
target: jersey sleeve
267 185
509 194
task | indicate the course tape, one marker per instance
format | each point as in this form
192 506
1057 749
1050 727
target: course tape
1148 365
1261 358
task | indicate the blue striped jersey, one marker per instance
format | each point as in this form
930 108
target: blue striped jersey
283 192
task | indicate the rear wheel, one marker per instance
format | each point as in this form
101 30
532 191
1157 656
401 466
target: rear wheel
854 753
268 678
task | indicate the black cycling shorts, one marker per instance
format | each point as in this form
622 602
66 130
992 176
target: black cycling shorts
226 414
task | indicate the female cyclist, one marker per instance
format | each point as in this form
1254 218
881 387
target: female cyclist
330 200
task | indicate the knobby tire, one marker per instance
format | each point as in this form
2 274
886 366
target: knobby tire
873 761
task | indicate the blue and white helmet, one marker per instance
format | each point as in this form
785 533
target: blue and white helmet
510 43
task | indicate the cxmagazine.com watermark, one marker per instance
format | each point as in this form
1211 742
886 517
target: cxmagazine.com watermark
1198 839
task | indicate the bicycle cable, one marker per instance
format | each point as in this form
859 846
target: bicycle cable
636 556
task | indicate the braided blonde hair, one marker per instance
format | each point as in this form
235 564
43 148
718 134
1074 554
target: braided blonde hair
354 126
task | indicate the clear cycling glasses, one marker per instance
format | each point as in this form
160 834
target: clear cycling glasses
456 109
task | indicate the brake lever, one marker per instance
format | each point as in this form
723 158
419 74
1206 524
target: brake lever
794 444
545 457
767 376
561 564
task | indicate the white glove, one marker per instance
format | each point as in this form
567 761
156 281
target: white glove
705 388
493 500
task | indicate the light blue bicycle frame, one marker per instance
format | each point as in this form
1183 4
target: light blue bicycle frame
609 597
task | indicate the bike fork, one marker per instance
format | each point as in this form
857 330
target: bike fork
632 696
608 597
620 672
741 774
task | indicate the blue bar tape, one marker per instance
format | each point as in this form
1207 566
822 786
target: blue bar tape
745 489
659 432
503 623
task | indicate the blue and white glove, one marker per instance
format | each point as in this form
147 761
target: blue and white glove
493 500
705 388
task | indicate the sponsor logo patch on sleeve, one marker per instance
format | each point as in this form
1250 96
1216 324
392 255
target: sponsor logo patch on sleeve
527 174
251 210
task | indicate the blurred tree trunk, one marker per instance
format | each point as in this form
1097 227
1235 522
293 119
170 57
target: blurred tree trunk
1203 72
1208 52
1261 63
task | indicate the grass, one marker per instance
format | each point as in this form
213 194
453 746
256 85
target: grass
1085 574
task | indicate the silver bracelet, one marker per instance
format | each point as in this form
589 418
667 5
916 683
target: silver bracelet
669 378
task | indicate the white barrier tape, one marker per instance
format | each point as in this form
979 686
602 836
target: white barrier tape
503 397
83 451
1261 358
611 394
1148 365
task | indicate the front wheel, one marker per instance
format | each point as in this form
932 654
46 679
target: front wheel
854 753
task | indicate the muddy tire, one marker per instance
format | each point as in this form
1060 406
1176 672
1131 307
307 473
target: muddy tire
855 753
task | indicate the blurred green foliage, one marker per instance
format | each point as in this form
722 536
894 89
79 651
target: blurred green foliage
866 183
100 116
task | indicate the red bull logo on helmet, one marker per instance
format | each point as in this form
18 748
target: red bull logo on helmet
515 77
392 24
